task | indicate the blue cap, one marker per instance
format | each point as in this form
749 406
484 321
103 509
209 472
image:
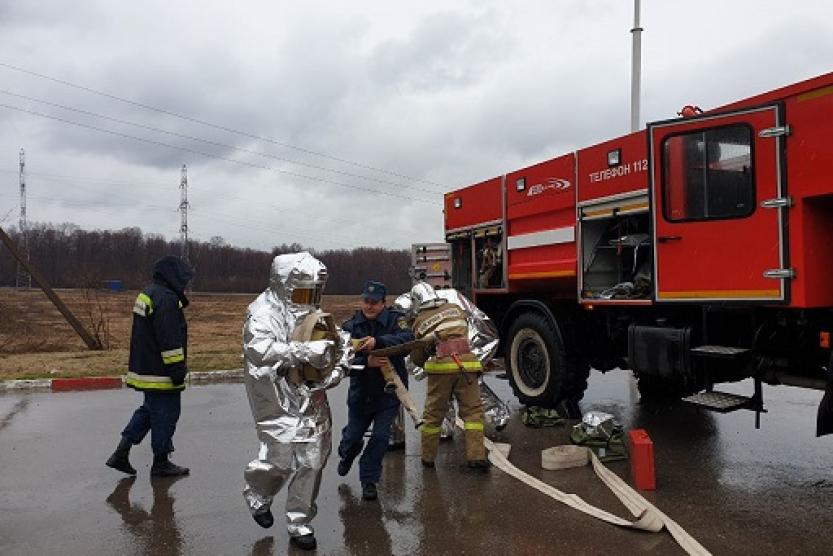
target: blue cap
373 290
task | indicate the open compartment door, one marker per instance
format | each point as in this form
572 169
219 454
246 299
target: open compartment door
719 207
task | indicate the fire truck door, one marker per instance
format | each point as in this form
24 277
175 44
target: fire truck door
718 207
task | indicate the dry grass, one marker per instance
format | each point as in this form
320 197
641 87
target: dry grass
36 341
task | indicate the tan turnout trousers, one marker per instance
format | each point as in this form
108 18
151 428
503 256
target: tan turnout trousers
439 390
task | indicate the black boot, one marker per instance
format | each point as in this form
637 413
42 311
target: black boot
164 468
344 466
264 519
119 460
304 542
479 465
369 491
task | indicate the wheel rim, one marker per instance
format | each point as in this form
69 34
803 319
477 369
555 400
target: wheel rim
530 362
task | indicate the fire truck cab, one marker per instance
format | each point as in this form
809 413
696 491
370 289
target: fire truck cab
693 252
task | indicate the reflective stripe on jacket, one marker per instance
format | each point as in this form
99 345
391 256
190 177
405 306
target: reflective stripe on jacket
158 343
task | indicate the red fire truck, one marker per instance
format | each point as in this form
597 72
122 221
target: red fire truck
694 252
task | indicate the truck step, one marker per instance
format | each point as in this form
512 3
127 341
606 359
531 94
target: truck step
720 401
720 352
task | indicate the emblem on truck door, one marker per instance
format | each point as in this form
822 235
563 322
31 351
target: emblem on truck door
557 184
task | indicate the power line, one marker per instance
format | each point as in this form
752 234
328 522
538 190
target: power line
213 217
85 204
59 178
215 126
239 224
209 155
90 180
106 208
214 143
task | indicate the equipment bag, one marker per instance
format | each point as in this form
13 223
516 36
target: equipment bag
537 417
607 448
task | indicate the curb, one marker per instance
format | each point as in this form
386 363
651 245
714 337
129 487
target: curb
107 382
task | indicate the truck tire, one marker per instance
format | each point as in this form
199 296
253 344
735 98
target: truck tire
541 372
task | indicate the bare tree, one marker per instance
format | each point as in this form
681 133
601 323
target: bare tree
73 258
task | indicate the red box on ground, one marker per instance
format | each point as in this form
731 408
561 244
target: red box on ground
86 383
642 459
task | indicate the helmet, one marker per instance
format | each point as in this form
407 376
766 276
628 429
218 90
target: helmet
423 296
299 278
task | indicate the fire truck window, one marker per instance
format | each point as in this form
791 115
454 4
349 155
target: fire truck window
708 174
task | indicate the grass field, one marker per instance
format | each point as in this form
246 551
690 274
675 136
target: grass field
36 341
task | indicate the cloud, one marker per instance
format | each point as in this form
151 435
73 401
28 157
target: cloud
402 100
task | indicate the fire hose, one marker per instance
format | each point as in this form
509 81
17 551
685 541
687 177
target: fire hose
394 383
648 517
391 378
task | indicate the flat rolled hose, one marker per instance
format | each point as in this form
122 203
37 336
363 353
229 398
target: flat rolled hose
564 457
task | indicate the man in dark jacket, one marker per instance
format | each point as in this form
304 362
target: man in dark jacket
158 366
373 327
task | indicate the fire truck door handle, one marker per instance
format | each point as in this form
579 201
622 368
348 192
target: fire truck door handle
665 239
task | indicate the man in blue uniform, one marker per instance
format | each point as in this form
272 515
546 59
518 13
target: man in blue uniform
373 327
158 366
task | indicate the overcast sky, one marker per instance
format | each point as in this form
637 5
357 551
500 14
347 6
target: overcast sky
337 124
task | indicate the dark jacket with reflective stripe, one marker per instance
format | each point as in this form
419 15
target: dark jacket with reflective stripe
367 387
159 340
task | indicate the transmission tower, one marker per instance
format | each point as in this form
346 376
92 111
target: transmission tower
183 212
22 278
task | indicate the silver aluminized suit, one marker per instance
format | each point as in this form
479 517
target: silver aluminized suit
292 419
483 337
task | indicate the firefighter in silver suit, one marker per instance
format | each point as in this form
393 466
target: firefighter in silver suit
292 354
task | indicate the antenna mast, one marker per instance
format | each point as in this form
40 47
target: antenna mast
636 67
183 212
22 278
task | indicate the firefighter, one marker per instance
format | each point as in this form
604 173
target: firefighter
452 371
374 326
158 366
483 338
287 371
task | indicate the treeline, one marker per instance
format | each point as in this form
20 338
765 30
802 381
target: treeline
70 257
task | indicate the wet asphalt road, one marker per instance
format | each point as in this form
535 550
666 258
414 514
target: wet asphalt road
735 489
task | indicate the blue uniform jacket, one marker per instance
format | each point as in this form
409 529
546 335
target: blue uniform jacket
390 328
159 338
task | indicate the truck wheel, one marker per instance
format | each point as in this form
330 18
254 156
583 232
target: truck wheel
540 371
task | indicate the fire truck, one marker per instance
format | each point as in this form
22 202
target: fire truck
694 252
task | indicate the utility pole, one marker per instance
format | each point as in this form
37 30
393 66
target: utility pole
32 271
183 212
636 68
22 278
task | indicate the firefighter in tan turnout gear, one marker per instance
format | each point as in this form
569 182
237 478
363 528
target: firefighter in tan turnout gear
452 371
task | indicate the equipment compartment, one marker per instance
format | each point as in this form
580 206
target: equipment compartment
616 250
